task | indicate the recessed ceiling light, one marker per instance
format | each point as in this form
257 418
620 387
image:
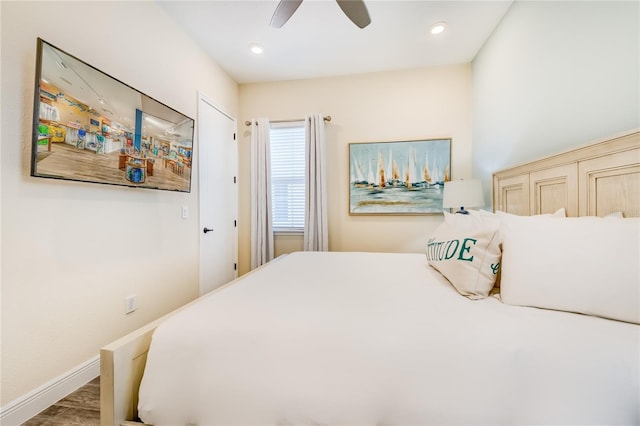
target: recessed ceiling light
256 48
438 28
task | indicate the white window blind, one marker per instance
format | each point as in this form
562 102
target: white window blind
287 176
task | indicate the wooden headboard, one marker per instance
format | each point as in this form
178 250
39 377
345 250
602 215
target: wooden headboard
593 180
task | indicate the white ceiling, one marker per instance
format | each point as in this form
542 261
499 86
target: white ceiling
109 97
320 41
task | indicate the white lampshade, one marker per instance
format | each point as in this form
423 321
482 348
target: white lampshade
463 193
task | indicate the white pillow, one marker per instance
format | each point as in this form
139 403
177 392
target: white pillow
502 216
586 264
466 250
614 215
561 212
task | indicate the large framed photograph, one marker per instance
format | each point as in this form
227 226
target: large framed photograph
401 177
91 127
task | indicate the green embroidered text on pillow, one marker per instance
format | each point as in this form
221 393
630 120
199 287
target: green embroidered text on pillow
445 250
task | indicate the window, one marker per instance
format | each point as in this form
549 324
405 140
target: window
287 176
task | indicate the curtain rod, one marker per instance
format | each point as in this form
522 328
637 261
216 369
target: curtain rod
326 118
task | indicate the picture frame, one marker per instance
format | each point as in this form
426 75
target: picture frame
398 177
91 127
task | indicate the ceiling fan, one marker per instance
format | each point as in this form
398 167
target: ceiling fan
355 10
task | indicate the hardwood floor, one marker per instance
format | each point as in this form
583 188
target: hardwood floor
82 407
86 165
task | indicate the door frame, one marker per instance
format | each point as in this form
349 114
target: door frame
204 98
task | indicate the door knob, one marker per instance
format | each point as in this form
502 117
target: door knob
207 230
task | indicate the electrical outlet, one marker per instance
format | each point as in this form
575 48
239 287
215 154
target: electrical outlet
185 212
130 304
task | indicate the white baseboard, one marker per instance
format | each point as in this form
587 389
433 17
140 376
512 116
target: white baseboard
29 405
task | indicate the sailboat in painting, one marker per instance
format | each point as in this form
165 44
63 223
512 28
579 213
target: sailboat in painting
425 171
357 178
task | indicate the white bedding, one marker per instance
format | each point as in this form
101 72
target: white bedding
376 338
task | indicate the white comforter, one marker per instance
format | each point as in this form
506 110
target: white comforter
373 338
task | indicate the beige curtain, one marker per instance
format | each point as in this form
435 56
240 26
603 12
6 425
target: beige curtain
316 233
261 217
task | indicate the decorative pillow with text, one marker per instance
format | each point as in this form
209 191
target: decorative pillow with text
465 249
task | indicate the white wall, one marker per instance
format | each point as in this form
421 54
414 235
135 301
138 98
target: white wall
425 103
72 252
554 75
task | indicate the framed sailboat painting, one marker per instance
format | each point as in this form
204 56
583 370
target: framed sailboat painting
401 177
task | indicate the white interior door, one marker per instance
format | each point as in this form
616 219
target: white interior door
218 196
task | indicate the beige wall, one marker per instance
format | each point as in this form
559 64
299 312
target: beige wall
71 252
403 105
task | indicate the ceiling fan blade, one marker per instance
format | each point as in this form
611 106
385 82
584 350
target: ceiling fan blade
283 12
355 10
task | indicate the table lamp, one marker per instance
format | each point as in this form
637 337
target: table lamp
462 193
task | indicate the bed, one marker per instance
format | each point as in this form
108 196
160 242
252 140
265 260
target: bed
388 338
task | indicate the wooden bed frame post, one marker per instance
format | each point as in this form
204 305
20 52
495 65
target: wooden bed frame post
121 368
